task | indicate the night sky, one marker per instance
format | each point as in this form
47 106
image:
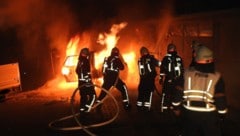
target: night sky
194 6
103 7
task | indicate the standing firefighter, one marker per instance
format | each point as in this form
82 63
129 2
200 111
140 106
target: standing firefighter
171 69
111 68
203 96
87 92
146 65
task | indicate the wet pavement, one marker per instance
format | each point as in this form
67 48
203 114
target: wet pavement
30 113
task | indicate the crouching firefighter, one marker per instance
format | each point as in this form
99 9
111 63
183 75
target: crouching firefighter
203 97
147 72
87 92
112 65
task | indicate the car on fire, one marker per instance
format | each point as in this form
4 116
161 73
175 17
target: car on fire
68 69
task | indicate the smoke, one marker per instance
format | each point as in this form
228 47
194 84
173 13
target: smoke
149 23
40 27
39 24
44 26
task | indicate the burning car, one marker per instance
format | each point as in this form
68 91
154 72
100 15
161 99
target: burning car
107 41
68 69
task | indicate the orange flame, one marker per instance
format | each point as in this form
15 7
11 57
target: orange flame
109 41
72 46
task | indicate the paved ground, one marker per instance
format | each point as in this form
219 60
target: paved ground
30 113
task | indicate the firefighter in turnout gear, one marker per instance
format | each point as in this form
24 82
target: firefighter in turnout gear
171 69
87 92
146 66
203 98
111 68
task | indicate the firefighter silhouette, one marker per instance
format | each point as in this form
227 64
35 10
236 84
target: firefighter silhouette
203 99
146 66
87 92
171 69
112 65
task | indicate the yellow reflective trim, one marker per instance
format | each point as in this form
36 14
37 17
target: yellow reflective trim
197 91
201 109
209 85
223 111
176 103
189 83
198 98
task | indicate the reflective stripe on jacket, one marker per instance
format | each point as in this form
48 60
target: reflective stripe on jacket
199 88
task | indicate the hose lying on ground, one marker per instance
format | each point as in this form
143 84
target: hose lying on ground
74 114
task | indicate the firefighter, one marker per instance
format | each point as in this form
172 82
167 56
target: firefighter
195 45
146 66
87 92
171 69
203 98
111 68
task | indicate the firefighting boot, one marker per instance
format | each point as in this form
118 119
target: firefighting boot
145 109
139 108
163 107
127 106
82 109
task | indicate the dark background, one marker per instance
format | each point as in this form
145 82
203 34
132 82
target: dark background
24 26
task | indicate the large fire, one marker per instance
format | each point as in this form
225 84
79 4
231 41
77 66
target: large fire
108 41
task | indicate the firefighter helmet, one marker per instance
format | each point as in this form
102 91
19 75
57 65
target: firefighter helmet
84 52
204 55
171 47
144 51
115 51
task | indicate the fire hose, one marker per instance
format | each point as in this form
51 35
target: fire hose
74 114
